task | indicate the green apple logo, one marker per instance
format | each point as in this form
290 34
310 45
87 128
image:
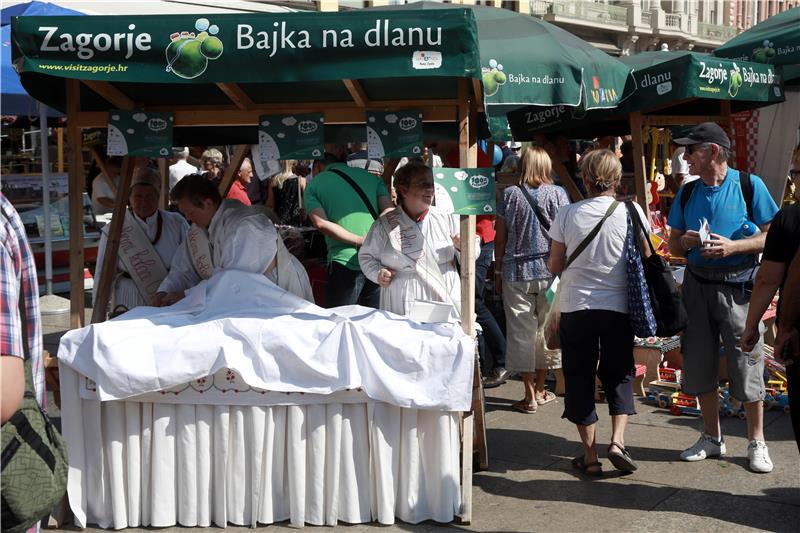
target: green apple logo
735 82
765 53
188 54
493 77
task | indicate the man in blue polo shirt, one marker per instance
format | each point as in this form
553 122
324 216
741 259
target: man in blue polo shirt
722 257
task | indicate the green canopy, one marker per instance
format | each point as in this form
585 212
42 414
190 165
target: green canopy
679 83
249 48
527 61
670 76
775 41
410 52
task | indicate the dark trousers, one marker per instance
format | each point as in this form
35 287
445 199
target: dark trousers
492 342
793 390
349 287
586 337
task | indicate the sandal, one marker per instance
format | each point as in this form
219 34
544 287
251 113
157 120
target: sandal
590 469
525 406
545 397
621 460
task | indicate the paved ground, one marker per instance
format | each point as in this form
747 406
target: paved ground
530 485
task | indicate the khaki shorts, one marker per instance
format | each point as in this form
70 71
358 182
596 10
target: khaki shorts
526 305
717 315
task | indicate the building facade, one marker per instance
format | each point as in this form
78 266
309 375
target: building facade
624 27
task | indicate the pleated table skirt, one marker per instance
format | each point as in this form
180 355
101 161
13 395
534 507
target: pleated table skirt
137 464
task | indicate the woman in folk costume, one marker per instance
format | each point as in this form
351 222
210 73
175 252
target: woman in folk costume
410 251
150 236
227 235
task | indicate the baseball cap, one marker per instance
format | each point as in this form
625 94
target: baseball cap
707 132
515 145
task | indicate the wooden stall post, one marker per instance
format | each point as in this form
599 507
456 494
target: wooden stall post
468 157
109 266
163 169
100 161
566 179
227 179
639 179
725 112
76 187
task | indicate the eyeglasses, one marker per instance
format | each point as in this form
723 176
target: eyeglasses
692 148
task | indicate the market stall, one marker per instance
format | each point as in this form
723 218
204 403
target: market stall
672 89
431 58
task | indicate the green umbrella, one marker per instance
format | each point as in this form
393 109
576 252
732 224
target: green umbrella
775 41
663 77
687 80
526 61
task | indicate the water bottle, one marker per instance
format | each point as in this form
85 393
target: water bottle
747 230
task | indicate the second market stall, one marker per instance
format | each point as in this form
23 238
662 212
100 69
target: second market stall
672 89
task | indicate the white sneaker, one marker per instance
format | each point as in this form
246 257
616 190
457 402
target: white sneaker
758 454
706 446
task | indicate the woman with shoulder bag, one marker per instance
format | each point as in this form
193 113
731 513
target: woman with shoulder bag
596 334
521 250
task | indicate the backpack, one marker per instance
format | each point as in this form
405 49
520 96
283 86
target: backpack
744 182
33 460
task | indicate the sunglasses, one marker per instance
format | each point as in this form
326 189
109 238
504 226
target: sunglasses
692 148
794 174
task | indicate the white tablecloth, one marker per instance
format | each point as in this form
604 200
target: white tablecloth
184 415
276 342
137 464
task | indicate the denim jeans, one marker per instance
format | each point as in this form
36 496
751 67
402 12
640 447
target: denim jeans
492 343
349 287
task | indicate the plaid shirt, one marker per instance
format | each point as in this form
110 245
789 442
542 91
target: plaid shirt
17 269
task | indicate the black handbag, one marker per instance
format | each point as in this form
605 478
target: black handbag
665 295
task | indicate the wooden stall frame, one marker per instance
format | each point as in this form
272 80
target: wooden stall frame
109 267
462 111
241 152
163 172
76 187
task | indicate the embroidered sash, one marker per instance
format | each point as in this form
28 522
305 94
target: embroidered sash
406 237
140 258
200 251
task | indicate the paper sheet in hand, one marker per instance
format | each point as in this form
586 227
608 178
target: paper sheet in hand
277 342
704 231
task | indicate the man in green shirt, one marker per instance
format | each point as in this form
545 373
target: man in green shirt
343 215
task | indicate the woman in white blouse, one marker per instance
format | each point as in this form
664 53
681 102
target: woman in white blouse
410 251
596 336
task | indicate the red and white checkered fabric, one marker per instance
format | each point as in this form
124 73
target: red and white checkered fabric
745 139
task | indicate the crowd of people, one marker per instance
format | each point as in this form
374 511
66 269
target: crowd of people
392 255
